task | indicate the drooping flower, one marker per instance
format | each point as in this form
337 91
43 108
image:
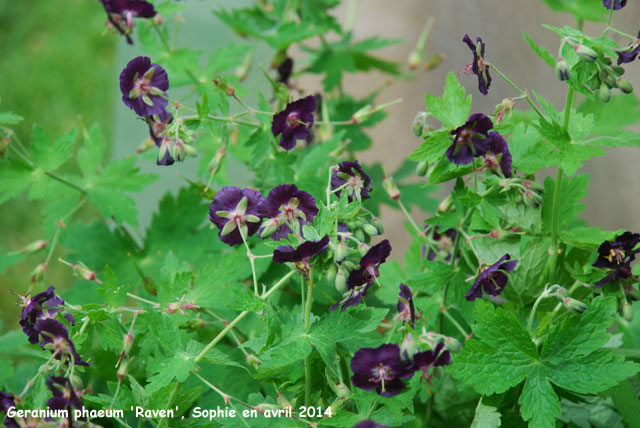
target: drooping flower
369 424
55 337
470 139
294 122
284 71
616 4
301 255
64 396
381 369
44 305
492 279
478 66
361 279
120 14
234 210
617 255
422 361
288 209
143 86
498 154
444 242
352 179
406 310
629 53
6 402
157 129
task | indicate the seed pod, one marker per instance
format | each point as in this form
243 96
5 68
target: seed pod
123 370
422 168
604 93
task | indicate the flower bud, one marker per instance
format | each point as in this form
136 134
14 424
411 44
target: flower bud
340 280
341 390
585 53
123 370
224 86
178 151
390 187
624 85
127 343
81 270
283 401
415 59
32 248
408 348
434 61
370 229
378 225
341 252
362 114
619 71
330 274
446 204
216 162
359 235
253 361
422 168
419 122
266 406
193 324
574 305
562 69
604 93
627 312
609 78
190 150
38 271
452 344
363 248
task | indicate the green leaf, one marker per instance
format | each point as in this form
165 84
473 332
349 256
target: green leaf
541 51
175 279
572 190
453 108
165 370
90 154
49 156
113 293
8 119
433 148
486 417
588 238
540 404
627 402
525 282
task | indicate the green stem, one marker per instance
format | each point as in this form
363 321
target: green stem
408 215
455 323
253 264
351 15
524 93
162 37
307 324
393 330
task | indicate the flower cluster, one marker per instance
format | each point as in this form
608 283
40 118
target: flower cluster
349 177
39 323
617 256
474 139
120 14
384 368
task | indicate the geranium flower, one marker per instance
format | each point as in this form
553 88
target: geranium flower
301 255
143 86
470 139
381 369
284 71
41 306
64 396
424 360
120 14
288 209
356 183
406 310
498 154
617 255
54 333
7 401
157 129
369 424
492 279
444 244
294 122
629 53
235 210
616 4
361 279
478 66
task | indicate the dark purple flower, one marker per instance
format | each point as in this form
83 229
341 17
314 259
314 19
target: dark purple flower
157 130
361 279
301 255
369 424
56 335
406 310
616 4
120 14
294 122
381 369
284 71
492 279
629 53
356 183
478 66
498 155
6 402
64 396
143 86
424 360
288 209
234 209
41 306
470 140
617 255
444 242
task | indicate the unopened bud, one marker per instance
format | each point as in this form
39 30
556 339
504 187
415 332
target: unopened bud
216 162
390 187
434 61
127 343
359 235
624 85
340 280
32 248
452 344
609 78
408 348
193 324
627 312
585 53
419 122
253 361
81 270
574 305
331 272
284 402
123 370
415 59
378 225
178 151
341 252
562 69
362 114
341 390
363 248
370 229
224 86
266 406
422 168
446 204
190 150
604 93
